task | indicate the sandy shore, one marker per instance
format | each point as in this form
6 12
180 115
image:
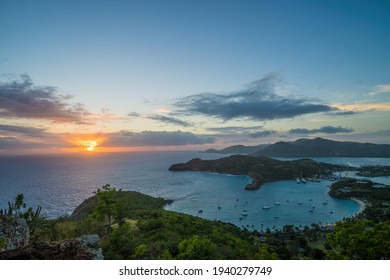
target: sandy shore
362 204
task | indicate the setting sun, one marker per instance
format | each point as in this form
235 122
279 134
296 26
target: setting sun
88 145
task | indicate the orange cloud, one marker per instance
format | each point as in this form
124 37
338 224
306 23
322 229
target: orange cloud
363 107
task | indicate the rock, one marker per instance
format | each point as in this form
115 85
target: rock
14 233
91 244
85 247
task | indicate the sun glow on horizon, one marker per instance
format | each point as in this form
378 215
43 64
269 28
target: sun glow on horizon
88 145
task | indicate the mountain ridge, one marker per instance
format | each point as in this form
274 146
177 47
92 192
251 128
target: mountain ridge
304 147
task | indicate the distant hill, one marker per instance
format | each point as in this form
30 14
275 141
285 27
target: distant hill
320 147
238 149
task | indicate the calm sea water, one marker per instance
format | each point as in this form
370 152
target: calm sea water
61 182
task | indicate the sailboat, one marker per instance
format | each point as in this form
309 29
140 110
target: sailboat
244 211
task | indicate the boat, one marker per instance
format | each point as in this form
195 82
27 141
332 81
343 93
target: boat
244 212
219 207
277 203
297 180
301 179
300 203
331 212
325 202
276 217
311 210
266 207
200 211
241 218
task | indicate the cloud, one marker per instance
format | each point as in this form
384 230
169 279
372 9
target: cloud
235 129
155 138
20 98
380 89
325 129
160 118
257 102
261 134
30 131
384 106
12 143
134 115
169 120
344 113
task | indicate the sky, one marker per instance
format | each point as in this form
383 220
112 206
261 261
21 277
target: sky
168 75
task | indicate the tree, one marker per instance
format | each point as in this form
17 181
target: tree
105 207
356 239
197 248
265 252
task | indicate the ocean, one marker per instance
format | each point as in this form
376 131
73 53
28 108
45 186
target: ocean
61 182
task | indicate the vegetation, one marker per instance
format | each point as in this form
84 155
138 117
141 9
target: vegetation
377 197
132 225
355 239
19 209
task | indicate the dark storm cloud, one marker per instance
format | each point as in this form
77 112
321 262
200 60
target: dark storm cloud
20 98
30 131
257 102
156 138
324 129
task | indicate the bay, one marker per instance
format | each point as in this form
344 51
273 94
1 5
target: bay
61 182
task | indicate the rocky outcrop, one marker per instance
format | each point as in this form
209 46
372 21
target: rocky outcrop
14 233
82 248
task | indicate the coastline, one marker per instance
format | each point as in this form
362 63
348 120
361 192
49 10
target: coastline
362 206
361 203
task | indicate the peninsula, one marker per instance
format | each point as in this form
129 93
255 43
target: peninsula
262 169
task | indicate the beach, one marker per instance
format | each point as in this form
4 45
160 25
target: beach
361 203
